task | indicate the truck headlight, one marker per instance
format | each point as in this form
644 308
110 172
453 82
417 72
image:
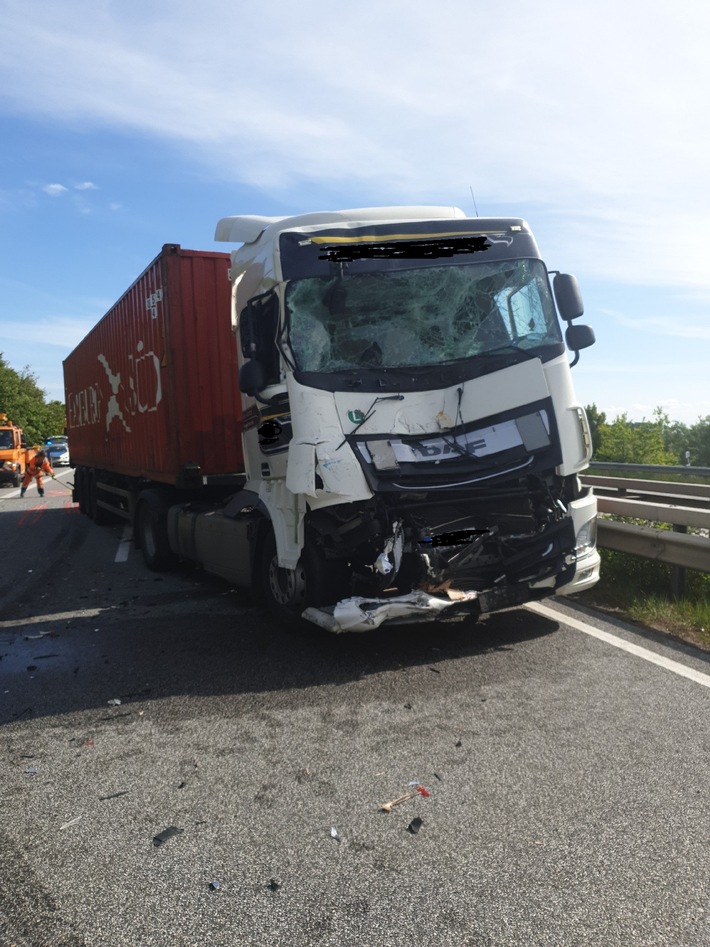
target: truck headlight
586 537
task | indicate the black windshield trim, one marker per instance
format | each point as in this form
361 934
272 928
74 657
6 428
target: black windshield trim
423 377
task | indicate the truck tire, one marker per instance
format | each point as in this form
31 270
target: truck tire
315 580
80 489
98 514
151 528
17 478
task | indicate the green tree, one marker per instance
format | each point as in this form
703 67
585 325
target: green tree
24 402
597 420
699 442
635 442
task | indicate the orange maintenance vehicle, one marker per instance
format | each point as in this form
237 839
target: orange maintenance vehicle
13 452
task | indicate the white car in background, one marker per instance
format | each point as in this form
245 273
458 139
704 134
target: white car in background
57 450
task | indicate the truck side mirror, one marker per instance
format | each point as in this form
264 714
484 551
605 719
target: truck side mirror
579 337
251 378
568 296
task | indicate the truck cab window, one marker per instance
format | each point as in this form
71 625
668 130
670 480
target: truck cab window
420 316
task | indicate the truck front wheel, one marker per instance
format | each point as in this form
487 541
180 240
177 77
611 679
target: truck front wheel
152 532
315 580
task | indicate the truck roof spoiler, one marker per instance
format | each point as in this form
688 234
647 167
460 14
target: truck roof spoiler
248 228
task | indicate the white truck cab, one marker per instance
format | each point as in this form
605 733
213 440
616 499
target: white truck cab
412 439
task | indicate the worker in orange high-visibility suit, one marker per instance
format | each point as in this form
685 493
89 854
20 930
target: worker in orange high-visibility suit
34 470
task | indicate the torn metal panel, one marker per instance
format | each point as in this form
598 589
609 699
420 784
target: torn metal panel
317 448
286 512
363 614
301 471
390 559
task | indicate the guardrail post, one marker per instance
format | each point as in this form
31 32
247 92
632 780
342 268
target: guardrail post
678 576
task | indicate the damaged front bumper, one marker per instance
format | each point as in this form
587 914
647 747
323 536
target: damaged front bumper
361 613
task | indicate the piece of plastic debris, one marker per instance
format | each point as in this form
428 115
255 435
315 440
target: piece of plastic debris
274 884
215 885
415 825
166 834
114 702
419 791
67 824
334 834
114 795
31 770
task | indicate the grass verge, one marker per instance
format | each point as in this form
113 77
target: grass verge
641 590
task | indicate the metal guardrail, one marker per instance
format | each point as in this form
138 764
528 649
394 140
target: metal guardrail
680 505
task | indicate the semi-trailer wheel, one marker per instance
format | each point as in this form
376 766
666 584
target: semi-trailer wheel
81 484
98 514
152 531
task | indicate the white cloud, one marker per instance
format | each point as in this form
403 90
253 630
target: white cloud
577 109
61 332
55 190
588 116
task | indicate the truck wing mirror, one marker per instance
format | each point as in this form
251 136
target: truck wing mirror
251 378
568 296
579 337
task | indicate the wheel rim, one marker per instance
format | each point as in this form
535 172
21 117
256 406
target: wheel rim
287 586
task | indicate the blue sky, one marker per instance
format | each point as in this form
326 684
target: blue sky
127 125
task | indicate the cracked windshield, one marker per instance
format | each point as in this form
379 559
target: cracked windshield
422 316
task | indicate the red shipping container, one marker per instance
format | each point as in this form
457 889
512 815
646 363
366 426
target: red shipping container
153 389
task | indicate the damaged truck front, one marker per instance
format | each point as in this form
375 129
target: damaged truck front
412 439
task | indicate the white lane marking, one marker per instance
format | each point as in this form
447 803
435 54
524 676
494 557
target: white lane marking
675 666
124 546
55 616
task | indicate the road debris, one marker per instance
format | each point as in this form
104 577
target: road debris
334 834
415 825
274 884
114 702
166 834
115 795
72 822
418 791
215 885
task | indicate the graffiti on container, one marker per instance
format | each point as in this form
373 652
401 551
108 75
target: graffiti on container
143 382
84 407
140 393
113 409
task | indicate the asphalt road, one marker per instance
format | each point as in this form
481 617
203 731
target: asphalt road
567 778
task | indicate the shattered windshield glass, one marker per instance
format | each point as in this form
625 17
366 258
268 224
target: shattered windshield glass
422 316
